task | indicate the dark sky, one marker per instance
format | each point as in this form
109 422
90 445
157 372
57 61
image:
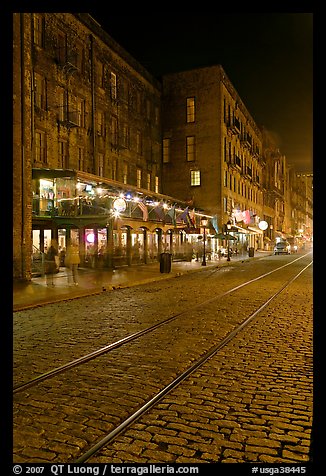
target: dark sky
268 57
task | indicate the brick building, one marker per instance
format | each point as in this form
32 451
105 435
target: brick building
106 155
87 146
212 150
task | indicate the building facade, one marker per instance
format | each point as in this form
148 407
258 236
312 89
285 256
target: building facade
127 166
212 150
87 147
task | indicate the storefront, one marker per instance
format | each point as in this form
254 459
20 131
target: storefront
115 225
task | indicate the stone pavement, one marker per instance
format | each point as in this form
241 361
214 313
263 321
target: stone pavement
94 281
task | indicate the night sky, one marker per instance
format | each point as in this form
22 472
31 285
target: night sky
268 58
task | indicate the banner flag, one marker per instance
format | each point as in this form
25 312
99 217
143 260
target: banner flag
143 208
184 214
192 217
238 215
246 217
214 223
171 214
159 213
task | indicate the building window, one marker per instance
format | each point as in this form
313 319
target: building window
100 123
62 47
190 148
157 115
39 91
156 185
148 109
125 173
114 131
40 147
166 151
99 74
38 30
125 136
191 109
113 85
80 109
225 178
63 155
100 164
138 142
138 101
62 104
148 181
139 178
79 58
81 159
194 178
114 169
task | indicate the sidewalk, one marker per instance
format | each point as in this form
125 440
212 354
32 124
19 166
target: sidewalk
94 281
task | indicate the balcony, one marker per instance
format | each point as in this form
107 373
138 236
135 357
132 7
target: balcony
246 140
70 119
234 126
66 59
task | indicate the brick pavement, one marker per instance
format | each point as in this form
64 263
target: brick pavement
252 402
228 405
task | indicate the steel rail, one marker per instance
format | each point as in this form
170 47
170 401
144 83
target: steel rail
172 385
103 350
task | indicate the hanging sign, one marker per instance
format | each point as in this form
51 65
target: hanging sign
263 225
119 205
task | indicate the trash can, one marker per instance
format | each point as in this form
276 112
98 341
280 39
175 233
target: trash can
251 252
165 262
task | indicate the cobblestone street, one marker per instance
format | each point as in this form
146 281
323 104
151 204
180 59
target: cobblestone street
251 402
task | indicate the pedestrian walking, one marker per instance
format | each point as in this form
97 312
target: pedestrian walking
51 263
72 261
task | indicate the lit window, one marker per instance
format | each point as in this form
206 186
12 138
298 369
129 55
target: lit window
139 178
125 173
191 109
156 185
148 181
194 178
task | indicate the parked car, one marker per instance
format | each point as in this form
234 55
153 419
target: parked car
282 248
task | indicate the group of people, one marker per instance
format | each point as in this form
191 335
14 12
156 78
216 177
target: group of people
71 261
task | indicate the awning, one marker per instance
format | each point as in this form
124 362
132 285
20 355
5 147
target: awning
221 236
256 230
241 230
53 173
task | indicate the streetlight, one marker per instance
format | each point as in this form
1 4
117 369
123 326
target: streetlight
204 222
228 228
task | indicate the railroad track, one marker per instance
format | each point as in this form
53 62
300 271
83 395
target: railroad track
198 361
